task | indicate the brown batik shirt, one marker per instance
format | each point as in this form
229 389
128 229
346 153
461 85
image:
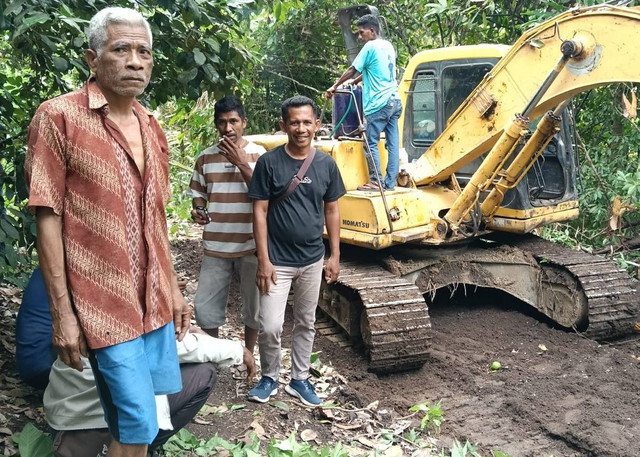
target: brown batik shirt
117 256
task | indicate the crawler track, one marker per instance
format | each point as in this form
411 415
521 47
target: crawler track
387 312
611 296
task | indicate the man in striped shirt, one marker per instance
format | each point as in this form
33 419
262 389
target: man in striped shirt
219 189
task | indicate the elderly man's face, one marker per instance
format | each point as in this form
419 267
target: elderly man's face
125 62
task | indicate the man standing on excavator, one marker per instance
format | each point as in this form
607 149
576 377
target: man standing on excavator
376 64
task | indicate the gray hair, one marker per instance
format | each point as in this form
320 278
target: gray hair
97 31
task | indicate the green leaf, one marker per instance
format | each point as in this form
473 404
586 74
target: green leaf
78 42
211 74
11 255
60 63
37 18
199 57
194 9
237 407
73 23
499 454
9 229
14 8
215 45
33 443
187 76
280 405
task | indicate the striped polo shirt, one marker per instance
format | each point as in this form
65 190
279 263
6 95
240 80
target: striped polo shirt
220 183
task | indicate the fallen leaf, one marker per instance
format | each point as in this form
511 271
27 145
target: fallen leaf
618 209
394 451
255 425
326 413
280 405
367 442
201 421
373 406
542 347
308 435
5 431
348 426
630 109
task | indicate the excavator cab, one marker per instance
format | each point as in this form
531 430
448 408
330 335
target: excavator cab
439 82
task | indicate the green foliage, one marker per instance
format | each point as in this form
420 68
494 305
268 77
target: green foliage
302 53
460 450
291 447
433 415
608 153
33 443
198 46
499 454
184 441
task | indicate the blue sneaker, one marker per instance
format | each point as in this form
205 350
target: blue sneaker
263 391
304 391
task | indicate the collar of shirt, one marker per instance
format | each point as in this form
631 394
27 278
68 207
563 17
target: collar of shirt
97 100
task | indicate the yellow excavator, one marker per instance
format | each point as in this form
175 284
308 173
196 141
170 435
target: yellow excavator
489 159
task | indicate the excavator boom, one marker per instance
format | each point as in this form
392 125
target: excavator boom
605 55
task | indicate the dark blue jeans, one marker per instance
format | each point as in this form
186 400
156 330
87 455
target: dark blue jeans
385 119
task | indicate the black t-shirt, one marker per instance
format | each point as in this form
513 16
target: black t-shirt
294 224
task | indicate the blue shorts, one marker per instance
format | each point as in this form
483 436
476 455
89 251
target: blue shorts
129 375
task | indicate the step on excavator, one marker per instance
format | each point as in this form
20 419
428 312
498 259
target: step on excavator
489 159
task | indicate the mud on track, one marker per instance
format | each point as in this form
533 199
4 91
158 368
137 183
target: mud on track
576 398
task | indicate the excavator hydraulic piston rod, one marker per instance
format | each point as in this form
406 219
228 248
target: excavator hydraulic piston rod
547 127
485 172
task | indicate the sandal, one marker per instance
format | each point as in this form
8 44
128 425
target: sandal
370 186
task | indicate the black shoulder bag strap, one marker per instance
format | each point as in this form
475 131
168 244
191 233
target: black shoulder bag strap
298 176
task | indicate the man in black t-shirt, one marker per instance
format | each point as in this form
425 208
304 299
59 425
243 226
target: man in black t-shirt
289 246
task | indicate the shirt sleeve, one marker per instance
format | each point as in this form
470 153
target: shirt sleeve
198 185
336 188
199 348
362 59
46 164
259 189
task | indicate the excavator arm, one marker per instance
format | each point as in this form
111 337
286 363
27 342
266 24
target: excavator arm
574 52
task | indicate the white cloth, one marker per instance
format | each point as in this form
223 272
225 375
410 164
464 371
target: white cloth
71 399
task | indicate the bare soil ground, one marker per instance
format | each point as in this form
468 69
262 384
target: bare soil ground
557 394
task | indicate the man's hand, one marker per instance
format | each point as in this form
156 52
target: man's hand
181 315
330 91
266 274
68 341
198 217
332 270
233 153
250 363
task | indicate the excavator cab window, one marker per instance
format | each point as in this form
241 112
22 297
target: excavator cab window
458 82
423 101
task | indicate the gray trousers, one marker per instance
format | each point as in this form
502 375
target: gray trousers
306 292
212 294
